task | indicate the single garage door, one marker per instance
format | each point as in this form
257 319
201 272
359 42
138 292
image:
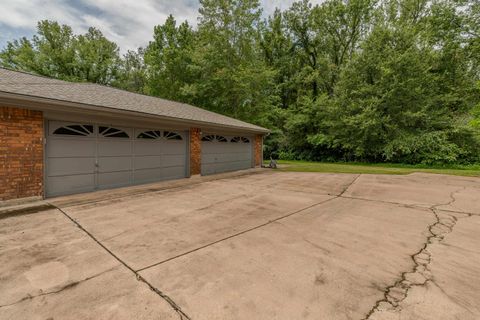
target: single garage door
83 157
222 153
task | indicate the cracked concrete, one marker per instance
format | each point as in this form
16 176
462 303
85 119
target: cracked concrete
268 245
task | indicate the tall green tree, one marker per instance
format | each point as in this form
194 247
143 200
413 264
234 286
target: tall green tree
56 52
169 61
234 78
131 73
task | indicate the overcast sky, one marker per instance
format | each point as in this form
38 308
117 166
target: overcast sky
127 22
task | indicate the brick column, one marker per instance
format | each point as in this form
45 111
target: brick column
258 150
21 153
195 151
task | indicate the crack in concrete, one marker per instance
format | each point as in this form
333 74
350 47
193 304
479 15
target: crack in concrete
65 287
420 275
182 315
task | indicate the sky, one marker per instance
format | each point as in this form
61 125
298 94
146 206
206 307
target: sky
129 23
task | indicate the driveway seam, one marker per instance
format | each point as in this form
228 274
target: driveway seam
172 303
251 229
349 185
237 234
412 206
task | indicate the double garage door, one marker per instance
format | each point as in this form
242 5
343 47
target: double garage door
222 153
83 157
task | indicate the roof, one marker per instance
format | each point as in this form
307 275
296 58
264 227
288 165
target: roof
30 85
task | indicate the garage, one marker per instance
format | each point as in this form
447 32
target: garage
223 153
83 157
63 138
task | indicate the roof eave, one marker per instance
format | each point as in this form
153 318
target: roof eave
48 104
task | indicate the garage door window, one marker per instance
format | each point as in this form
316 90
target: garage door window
214 138
110 132
75 130
151 134
240 139
169 135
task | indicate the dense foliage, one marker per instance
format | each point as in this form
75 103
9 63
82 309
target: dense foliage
353 80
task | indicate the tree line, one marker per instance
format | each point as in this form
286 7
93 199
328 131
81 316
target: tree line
345 80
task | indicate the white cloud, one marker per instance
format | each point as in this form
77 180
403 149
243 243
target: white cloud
127 22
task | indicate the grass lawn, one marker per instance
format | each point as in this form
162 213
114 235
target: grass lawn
379 168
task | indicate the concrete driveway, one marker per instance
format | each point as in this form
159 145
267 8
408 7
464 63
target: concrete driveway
263 245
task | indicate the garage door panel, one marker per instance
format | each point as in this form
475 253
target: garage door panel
70 184
71 148
208 158
147 148
173 160
113 147
146 162
114 179
173 172
148 175
217 156
70 166
108 164
233 157
173 148
208 168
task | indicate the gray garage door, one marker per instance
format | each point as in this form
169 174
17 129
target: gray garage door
83 157
221 153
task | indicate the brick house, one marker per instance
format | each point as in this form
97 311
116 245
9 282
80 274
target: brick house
58 138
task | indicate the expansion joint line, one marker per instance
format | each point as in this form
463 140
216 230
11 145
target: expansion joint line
178 310
238 234
349 185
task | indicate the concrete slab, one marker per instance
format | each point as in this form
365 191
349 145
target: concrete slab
414 189
158 226
261 245
328 262
453 291
50 269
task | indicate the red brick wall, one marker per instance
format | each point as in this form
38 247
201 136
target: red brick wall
195 151
21 153
258 150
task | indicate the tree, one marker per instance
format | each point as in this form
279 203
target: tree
233 77
56 52
169 61
131 73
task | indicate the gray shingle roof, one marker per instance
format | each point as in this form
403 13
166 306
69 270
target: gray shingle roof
103 96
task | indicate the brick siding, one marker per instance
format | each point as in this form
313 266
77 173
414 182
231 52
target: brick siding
195 151
21 153
258 150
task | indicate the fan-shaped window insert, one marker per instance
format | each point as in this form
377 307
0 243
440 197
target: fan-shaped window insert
75 130
221 139
214 138
240 139
110 132
152 134
170 135
210 137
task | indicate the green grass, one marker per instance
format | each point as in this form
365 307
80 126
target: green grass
379 168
